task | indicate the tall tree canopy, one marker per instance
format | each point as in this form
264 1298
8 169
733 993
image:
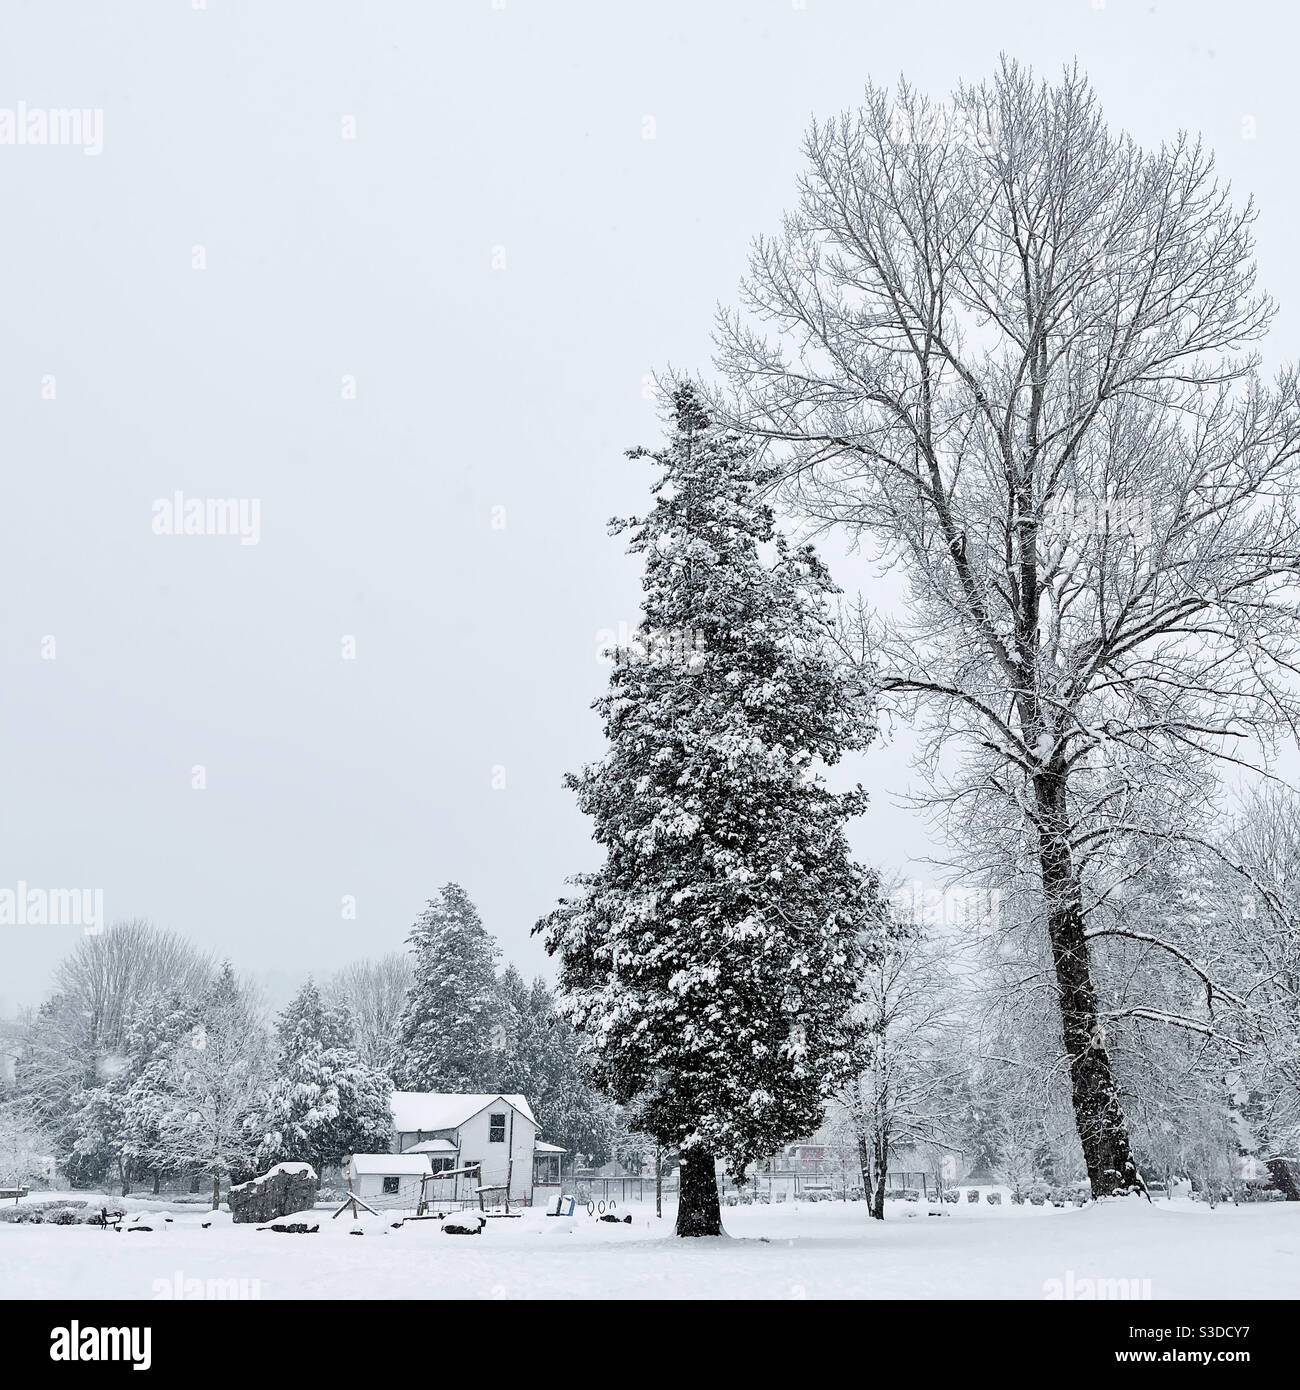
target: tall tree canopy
446 1028
1013 351
323 1102
711 961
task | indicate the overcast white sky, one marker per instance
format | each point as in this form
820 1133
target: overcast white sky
480 131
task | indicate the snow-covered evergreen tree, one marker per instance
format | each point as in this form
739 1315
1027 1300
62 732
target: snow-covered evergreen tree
113 1120
323 1103
712 960
156 1028
446 1034
541 1057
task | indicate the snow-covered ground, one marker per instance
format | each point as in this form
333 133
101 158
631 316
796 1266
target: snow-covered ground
825 1249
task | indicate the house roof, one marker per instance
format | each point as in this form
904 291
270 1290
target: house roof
432 1110
431 1146
540 1148
390 1165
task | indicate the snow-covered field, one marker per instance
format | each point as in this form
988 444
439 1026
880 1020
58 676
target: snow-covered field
825 1249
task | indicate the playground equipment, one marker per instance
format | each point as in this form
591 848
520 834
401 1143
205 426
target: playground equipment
481 1191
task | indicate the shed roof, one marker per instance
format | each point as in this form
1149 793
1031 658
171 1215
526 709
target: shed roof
390 1165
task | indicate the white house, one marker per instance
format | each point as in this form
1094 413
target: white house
458 1131
387 1180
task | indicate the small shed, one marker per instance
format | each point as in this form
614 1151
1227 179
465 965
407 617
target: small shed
441 1152
387 1179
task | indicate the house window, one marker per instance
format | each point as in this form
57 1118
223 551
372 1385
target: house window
440 1165
392 1186
496 1129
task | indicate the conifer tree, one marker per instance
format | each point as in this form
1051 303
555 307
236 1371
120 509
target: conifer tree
446 1034
711 961
542 1059
324 1103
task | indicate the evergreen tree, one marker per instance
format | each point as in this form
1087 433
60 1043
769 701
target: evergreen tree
156 1028
99 1143
541 1058
324 1103
446 1034
112 1122
712 959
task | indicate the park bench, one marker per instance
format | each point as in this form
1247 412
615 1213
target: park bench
14 1192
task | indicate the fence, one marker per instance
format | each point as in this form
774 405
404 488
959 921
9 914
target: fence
780 1186
622 1189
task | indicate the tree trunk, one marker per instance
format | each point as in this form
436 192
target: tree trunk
1103 1132
873 1192
698 1212
882 1175
157 1182
868 1186
216 1190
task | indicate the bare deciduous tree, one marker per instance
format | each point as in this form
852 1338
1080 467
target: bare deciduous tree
81 1029
1011 351
904 1095
218 1082
26 1153
1258 900
374 995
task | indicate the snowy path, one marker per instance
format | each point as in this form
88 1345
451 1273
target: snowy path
811 1251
